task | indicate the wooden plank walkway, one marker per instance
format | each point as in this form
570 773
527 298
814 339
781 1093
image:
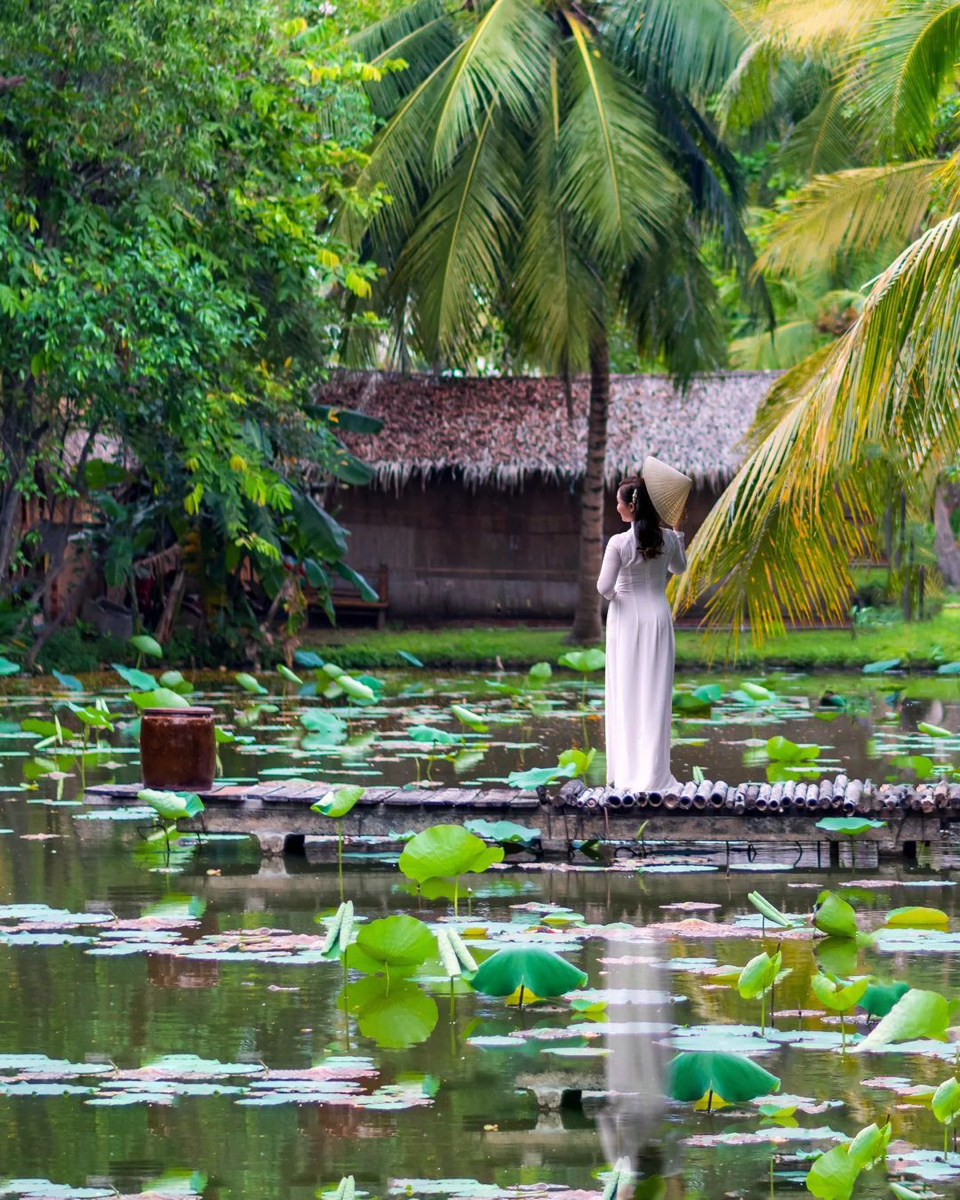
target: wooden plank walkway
278 814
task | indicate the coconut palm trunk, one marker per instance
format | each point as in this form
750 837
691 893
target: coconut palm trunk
586 618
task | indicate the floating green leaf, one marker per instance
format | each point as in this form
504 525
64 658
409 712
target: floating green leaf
434 737
850 826
781 749
250 684
916 917
529 967
878 668
332 729
535 776
583 660
141 680
732 1077
503 831
171 806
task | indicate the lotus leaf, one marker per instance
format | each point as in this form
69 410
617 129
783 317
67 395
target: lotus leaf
46 729
732 1077
70 682
471 719
593 659
883 664
529 967
171 806
757 691
144 644
850 826
446 851
782 749
539 673
159 698
95 718
946 1101
8 667
284 671
834 1174
250 684
338 803
434 737
579 760
399 941
916 918
870 1145
934 730
917 1014
834 916
398 1017
879 998
759 975
535 776
346 1189
175 681
769 912
141 680
332 728
837 996
922 765
409 658
503 831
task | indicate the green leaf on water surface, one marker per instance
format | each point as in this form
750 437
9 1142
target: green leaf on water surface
434 737
950 668
339 802
905 1193
170 806
446 851
698 700
94 718
409 658
400 1016
836 995
70 682
471 719
883 664
946 1101
770 912
8 667
141 680
759 974
143 643
917 917
834 916
535 776
250 684
503 831
921 764
879 998
934 730
159 698
731 1077
399 941
917 1014
850 826
332 728
539 673
583 660
346 1189
536 970
577 759
307 658
781 749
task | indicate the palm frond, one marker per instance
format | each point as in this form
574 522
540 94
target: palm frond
825 140
863 210
912 52
689 45
617 186
422 34
747 92
505 56
784 346
555 305
451 265
815 25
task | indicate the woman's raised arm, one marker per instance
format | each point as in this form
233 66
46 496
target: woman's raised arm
677 563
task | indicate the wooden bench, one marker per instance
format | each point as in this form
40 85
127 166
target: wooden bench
344 601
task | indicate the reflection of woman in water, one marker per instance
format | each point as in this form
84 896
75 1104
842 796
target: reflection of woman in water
640 640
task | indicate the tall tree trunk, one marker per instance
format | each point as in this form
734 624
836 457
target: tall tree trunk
944 543
586 618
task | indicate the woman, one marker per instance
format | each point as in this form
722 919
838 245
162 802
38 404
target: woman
640 642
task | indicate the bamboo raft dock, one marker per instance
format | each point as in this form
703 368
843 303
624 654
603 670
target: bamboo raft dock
279 815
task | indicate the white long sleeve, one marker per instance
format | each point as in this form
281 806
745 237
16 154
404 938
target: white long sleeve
678 556
607 583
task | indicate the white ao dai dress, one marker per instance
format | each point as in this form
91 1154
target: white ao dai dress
640 656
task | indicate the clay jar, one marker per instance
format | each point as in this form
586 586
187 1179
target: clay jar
178 748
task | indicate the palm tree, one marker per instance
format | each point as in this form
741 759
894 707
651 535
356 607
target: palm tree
876 415
552 163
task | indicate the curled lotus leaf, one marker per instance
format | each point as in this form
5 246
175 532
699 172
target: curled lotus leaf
145 644
834 916
250 684
917 1014
946 1101
758 975
583 660
837 996
879 998
171 806
338 803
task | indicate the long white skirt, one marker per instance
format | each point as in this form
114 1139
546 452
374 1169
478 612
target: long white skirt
639 691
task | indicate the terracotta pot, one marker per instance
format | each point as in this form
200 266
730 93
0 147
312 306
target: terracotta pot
178 748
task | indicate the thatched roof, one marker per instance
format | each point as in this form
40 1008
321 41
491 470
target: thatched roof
503 430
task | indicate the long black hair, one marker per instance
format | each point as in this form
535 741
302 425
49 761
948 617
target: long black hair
646 520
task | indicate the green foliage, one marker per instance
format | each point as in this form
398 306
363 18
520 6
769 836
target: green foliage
399 943
834 1174
444 852
731 1077
834 916
171 806
532 968
917 1014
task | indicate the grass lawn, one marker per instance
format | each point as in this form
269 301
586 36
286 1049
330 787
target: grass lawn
921 645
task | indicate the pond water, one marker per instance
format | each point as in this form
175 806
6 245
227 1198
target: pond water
171 1028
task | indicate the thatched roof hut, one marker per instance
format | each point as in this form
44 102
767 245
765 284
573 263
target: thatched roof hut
501 431
473 512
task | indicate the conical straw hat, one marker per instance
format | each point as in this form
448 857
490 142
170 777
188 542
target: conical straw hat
668 488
